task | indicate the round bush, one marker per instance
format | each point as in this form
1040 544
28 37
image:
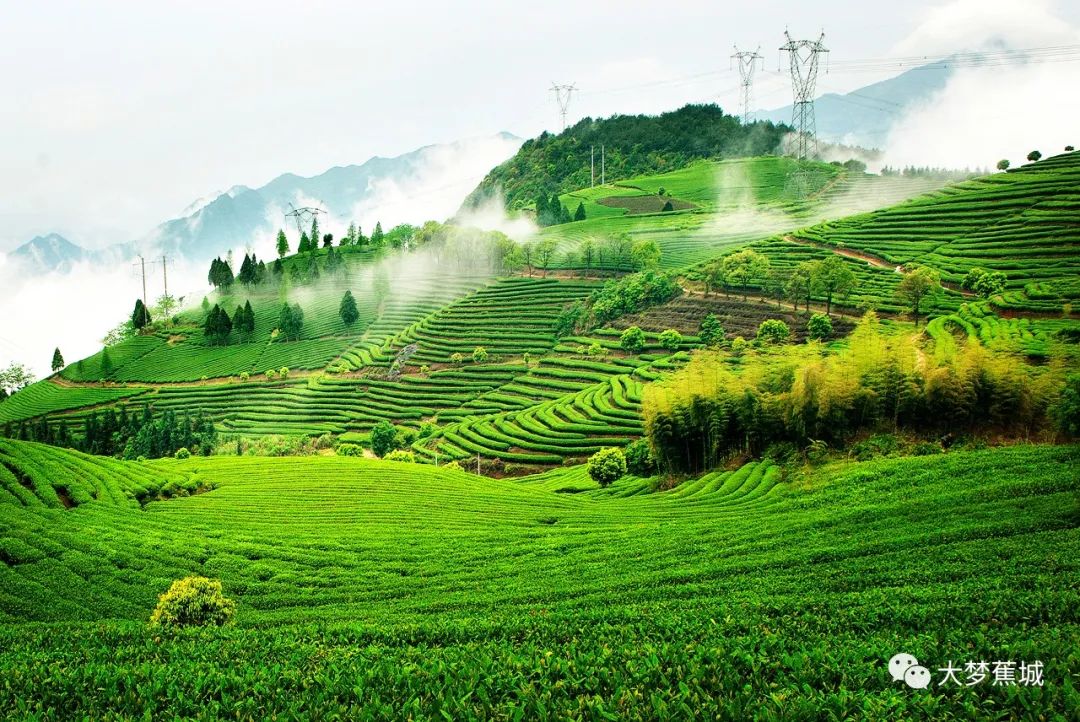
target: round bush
607 466
819 327
347 449
401 455
671 340
632 340
773 330
182 453
193 602
639 458
479 355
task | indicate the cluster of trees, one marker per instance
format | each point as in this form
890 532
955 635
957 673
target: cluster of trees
220 274
929 172
985 283
551 212
712 409
218 325
123 434
831 278
634 145
399 236
291 322
629 294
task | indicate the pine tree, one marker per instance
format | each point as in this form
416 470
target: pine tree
542 214
579 214
57 361
314 237
106 364
377 236
347 310
249 319
140 317
305 244
282 244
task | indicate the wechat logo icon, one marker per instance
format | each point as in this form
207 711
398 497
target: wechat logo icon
905 667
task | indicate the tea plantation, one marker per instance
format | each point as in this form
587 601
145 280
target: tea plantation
388 590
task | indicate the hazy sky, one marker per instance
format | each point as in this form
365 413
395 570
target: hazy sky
119 114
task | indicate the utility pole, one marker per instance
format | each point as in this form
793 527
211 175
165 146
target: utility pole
562 98
592 166
803 59
748 62
165 273
478 463
603 179
142 264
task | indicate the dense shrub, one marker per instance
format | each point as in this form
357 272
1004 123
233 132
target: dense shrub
1066 410
632 340
639 458
773 331
401 455
671 340
182 453
349 449
193 602
607 466
383 438
819 327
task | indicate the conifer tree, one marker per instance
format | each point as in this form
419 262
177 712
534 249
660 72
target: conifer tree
347 309
57 361
282 244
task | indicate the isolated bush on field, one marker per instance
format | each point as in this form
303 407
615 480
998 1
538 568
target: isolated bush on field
193 602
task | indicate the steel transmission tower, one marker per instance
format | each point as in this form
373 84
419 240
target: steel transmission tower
304 216
803 59
562 97
748 62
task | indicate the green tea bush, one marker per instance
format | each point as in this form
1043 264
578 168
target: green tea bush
401 455
348 449
182 453
607 466
193 602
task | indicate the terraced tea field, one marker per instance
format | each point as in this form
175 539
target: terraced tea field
371 588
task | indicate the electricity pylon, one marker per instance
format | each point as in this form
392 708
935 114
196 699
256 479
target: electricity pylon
562 97
303 217
803 59
748 62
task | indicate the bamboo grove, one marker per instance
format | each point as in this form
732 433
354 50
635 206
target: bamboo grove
723 404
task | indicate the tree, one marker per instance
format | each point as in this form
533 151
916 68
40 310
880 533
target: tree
282 244
378 238
607 466
140 317
744 268
667 207
218 325
921 284
620 246
248 327
545 251
983 282
671 340
713 277
645 255
579 214
587 250
632 340
773 331
16 376
1034 156
327 240
800 284
1003 164
313 239
819 327
711 332
1065 412
479 355
291 321
527 252
57 361
193 602
164 307
832 277
383 438
347 309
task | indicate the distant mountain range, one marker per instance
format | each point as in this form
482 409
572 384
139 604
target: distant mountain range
434 179
865 116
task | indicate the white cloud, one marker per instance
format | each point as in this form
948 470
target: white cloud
985 113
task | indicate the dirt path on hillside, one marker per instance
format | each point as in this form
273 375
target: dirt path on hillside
870 259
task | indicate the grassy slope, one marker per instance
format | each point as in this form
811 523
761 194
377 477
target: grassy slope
372 587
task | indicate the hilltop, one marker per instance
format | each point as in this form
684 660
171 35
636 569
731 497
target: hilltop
633 145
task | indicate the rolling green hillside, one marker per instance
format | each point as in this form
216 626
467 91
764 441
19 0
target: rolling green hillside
408 359
370 587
